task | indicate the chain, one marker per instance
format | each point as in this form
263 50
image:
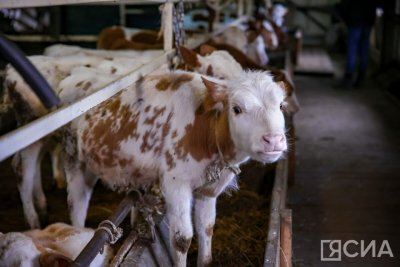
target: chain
179 31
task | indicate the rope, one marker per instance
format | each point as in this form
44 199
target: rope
114 233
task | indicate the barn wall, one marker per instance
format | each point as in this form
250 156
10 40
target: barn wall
391 34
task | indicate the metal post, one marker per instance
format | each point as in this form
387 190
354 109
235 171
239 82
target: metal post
101 236
31 75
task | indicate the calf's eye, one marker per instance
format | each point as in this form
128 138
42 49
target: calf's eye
281 106
237 110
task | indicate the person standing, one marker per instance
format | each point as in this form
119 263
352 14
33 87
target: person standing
359 17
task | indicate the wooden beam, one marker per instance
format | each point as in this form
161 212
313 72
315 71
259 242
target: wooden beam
286 238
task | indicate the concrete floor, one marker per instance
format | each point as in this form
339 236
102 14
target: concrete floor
348 172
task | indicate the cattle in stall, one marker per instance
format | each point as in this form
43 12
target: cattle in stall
235 36
56 245
247 63
186 131
71 76
117 37
250 42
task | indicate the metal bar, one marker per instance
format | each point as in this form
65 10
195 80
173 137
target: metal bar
316 22
124 249
38 3
30 133
31 75
160 251
306 13
47 38
326 9
101 236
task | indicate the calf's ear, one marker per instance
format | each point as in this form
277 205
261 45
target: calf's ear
216 91
206 49
189 57
49 259
284 87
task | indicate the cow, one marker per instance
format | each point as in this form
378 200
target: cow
252 42
71 76
56 245
118 38
187 131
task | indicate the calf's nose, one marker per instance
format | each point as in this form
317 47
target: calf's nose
274 142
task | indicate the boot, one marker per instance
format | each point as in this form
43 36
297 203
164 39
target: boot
360 79
347 81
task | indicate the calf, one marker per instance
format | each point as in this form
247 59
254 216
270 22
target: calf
252 43
56 245
117 37
187 132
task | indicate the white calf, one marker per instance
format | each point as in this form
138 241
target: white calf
53 246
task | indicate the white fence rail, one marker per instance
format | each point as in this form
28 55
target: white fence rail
30 133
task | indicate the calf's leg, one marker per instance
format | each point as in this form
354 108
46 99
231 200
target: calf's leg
80 187
25 164
204 212
56 165
178 198
39 197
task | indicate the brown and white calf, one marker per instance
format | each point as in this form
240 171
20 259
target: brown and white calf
54 246
175 128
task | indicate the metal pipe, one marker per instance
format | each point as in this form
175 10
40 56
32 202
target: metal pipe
101 236
31 75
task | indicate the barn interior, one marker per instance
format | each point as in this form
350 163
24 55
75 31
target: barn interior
331 200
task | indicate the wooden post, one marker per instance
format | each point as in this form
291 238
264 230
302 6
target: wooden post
286 238
167 22
292 153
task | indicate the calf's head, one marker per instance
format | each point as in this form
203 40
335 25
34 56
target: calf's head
252 103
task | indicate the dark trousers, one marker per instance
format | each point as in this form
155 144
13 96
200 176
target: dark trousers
357 48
